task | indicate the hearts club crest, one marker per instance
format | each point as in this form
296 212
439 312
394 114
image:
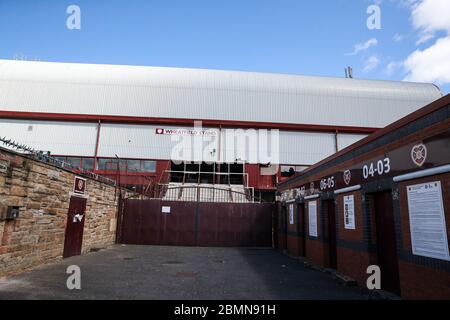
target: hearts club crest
419 154
347 176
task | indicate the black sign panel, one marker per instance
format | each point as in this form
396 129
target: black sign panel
429 153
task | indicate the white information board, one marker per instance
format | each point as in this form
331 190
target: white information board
166 210
291 214
427 221
312 218
349 212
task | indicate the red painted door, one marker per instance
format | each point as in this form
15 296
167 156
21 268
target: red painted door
386 242
74 227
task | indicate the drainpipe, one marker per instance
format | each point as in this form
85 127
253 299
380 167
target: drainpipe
97 143
336 140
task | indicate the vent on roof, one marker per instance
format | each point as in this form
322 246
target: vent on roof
349 73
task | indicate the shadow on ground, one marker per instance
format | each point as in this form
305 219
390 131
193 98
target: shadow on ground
152 272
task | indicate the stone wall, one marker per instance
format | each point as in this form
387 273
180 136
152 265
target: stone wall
43 194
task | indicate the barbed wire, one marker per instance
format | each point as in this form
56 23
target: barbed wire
48 158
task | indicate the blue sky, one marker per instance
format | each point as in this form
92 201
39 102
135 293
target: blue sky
284 36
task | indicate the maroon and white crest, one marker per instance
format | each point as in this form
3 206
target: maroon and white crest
347 177
419 154
159 131
79 186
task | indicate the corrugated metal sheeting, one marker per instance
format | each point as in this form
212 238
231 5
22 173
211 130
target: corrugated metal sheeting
206 94
143 142
75 139
345 140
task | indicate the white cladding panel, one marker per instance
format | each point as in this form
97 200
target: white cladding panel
143 142
305 148
206 94
345 140
61 138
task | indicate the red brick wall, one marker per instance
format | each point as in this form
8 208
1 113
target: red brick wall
417 281
315 252
293 245
315 249
282 241
354 264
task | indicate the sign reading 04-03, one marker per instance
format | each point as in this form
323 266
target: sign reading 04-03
378 168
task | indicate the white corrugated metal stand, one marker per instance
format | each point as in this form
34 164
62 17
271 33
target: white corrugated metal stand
345 140
142 142
206 94
60 138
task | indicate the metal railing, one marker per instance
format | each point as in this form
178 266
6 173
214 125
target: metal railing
216 176
199 193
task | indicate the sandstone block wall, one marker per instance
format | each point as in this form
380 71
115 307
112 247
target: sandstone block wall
42 192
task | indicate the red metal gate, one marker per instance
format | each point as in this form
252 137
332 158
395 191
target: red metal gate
182 223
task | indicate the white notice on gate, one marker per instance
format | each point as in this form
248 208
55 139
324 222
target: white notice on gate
427 221
312 218
166 210
349 212
291 214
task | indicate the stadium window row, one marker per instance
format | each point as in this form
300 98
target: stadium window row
111 164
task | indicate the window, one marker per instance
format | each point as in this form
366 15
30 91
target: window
287 171
88 164
134 165
111 164
148 166
74 161
106 164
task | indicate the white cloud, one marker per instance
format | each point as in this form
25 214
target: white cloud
392 67
431 64
424 38
363 46
371 64
398 37
430 16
